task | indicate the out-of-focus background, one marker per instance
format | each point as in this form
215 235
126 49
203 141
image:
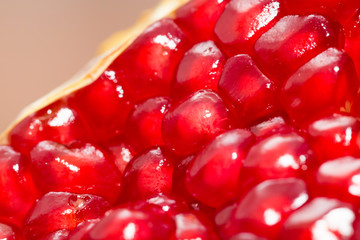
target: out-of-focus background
43 43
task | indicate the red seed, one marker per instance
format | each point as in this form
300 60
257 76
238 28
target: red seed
17 189
213 176
263 209
335 136
61 210
192 16
250 93
293 41
339 178
326 84
278 156
106 117
244 21
200 68
80 169
143 127
57 122
147 174
149 64
194 122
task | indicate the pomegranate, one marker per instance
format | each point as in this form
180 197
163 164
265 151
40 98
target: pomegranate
213 119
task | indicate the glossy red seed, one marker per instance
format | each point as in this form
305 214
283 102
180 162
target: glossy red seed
17 189
263 209
56 122
293 41
335 136
278 156
58 235
339 178
121 154
213 176
81 169
7 232
82 230
149 64
322 218
60 210
194 225
271 126
147 174
243 22
326 84
340 10
192 17
244 87
103 105
125 223
143 127
195 122
200 68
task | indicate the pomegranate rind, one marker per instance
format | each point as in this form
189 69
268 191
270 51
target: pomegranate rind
110 50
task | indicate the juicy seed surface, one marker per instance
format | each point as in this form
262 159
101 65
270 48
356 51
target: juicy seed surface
224 120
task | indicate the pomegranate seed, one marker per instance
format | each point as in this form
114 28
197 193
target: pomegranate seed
192 16
105 118
143 128
82 169
271 126
335 136
17 189
58 235
322 218
200 68
193 225
9 233
244 21
264 208
195 122
57 122
326 84
247 89
148 174
125 223
155 55
338 178
293 41
278 156
60 210
213 176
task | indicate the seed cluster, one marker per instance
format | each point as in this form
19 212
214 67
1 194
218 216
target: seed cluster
236 120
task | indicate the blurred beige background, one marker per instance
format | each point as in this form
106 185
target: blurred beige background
44 42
